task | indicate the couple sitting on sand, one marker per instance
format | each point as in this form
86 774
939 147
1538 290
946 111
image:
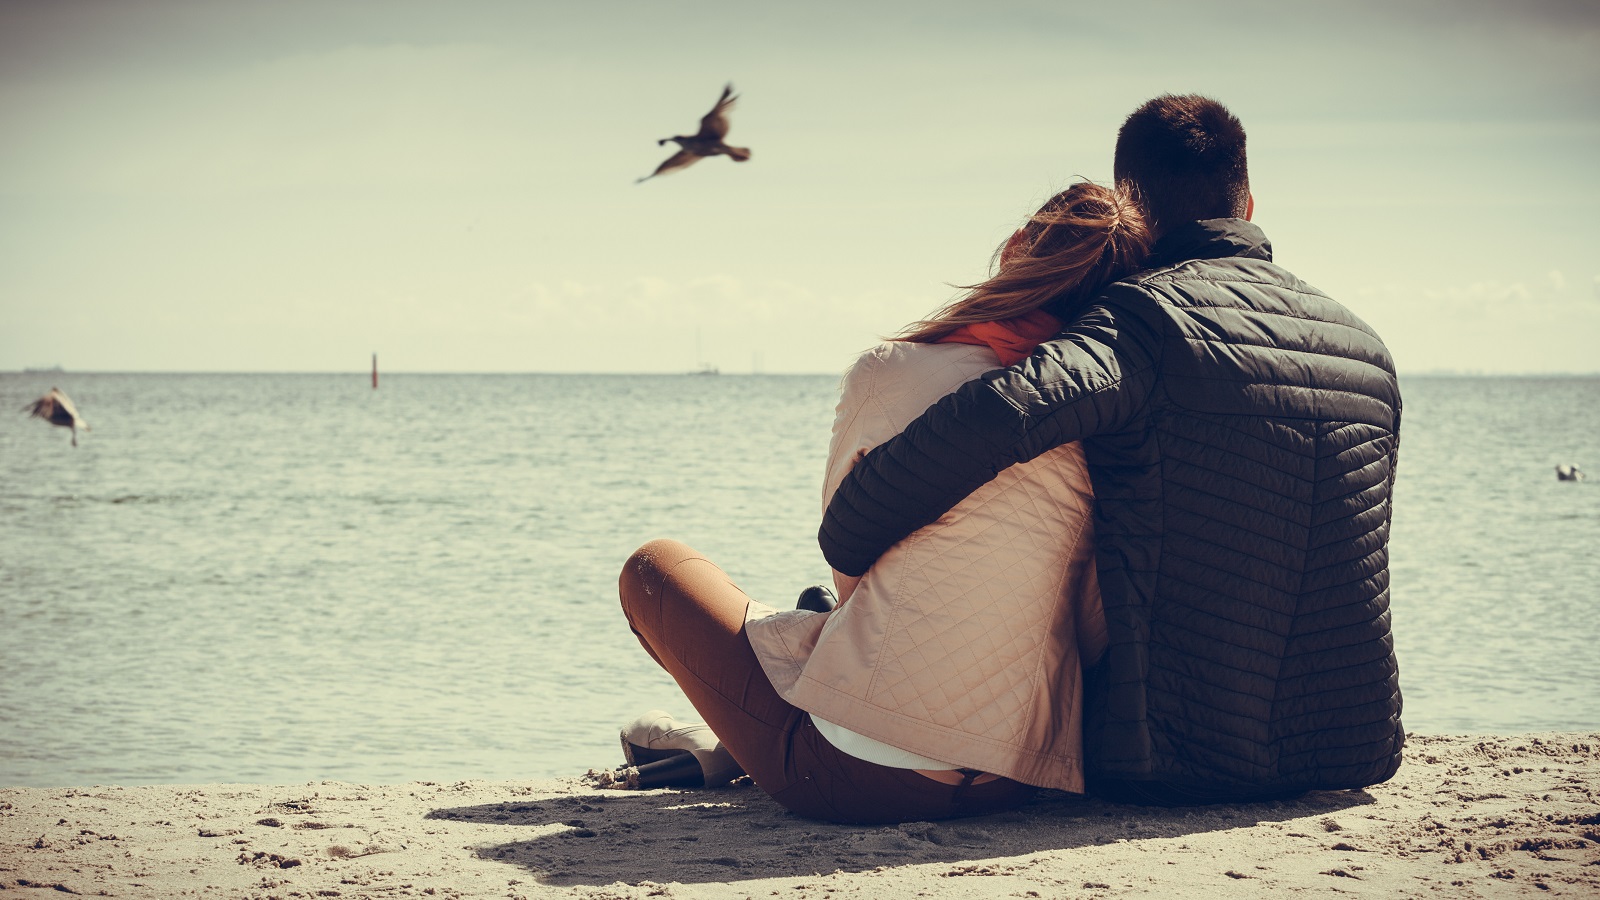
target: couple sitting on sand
1116 521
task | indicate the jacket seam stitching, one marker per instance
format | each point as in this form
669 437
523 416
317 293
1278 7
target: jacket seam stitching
1271 312
1307 387
1059 593
899 596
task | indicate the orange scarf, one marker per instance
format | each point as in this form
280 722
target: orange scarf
1012 340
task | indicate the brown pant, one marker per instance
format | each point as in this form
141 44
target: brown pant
690 618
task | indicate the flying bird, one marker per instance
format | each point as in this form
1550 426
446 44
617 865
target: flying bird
57 409
706 142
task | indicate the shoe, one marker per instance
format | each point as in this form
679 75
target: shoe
669 753
816 599
682 770
655 736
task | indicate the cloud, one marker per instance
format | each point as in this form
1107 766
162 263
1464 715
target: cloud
641 324
1480 293
1533 303
1496 327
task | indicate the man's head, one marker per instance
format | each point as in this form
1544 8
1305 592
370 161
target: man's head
1184 157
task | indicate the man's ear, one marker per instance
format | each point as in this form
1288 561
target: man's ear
1250 206
1013 247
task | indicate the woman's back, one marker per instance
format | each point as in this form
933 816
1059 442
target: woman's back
963 642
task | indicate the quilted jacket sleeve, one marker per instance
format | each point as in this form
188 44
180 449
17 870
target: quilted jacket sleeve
1091 379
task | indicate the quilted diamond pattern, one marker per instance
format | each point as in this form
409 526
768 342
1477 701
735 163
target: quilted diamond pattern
1242 430
953 654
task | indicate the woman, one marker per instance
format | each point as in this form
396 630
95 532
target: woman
947 681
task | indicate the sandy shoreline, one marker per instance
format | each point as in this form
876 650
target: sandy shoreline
1466 817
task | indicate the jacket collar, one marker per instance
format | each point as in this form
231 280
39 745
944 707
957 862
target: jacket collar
1210 239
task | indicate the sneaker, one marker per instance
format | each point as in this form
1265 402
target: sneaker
668 753
655 736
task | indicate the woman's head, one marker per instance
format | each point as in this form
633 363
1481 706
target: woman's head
1082 239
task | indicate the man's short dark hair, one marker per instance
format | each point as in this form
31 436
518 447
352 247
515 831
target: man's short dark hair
1184 156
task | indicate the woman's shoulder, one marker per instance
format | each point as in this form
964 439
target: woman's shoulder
907 354
893 364
899 375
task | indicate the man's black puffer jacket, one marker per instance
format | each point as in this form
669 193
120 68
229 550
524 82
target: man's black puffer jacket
1241 431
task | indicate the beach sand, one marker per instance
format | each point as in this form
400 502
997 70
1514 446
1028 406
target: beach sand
1466 817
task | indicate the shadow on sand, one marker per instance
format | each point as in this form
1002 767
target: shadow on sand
736 833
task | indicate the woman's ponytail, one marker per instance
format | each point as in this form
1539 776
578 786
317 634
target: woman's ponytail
1081 240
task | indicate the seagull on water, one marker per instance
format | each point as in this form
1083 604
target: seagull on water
706 142
57 409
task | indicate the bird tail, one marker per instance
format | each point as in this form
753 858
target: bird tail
739 154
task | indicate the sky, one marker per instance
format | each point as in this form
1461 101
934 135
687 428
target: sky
213 185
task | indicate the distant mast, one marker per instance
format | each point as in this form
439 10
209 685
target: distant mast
374 371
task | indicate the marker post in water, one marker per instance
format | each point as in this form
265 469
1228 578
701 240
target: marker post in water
374 371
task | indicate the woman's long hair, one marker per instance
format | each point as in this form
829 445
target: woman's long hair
1081 240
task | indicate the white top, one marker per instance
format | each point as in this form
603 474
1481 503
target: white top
862 747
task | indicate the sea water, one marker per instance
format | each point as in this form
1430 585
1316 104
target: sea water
281 578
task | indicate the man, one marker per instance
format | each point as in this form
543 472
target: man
1241 431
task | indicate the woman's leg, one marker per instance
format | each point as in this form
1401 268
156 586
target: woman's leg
690 618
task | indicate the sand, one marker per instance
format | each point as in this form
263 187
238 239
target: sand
1466 817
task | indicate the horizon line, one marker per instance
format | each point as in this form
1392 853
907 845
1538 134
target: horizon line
366 373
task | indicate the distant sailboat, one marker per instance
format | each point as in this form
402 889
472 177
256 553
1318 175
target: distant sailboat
705 367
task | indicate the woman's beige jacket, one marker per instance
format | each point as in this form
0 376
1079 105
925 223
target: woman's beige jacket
966 641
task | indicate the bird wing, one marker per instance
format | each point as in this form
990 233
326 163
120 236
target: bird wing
714 124
41 408
65 403
676 161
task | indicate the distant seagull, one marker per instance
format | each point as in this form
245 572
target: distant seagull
707 142
1569 472
57 409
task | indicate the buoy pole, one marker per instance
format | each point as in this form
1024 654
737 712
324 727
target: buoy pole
374 371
